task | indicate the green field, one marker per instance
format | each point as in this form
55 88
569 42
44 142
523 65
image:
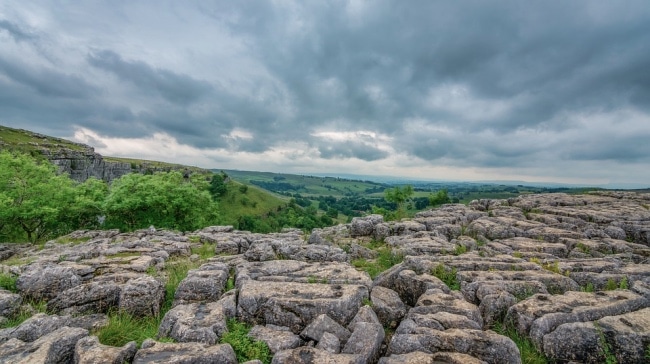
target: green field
308 186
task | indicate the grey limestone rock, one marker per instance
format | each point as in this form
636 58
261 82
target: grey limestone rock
323 324
329 342
388 306
418 357
300 272
484 345
361 226
55 347
198 322
626 337
408 284
541 314
88 350
365 341
9 303
46 282
276 337
295 305
153 352
205 283
310 355
142 296
87 298
365 314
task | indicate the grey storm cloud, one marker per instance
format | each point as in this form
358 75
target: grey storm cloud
471 84
176 88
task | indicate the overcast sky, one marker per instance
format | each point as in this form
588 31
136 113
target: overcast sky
554 91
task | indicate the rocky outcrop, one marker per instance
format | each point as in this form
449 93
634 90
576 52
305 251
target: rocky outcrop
569 274
81 162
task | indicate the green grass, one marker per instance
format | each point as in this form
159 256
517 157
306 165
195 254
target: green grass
205 251
122 328
18 140
8 282
258 202
24 313
155 165
385 259
460 249
245 347
448 276
309 185
588 288
529 354
15 260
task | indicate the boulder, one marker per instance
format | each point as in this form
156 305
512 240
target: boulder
276 337
310 355
88 350
46 282
198 322
56 347
9 303
541 314
322 324
153 352
387 305
142 297
330 343
365 341
92 297
295 305
203 284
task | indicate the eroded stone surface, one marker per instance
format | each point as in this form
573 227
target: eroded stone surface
570 272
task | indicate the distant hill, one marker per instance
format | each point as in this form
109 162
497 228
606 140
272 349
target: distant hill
307 186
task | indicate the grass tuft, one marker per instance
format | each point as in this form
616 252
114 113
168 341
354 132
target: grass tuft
529 354
245 347
205 250
447 275
123 328
27 310
8 282
385 259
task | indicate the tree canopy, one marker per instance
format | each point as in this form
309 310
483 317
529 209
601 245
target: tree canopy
37 203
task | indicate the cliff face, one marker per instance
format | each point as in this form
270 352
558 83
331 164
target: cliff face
80 161
81 165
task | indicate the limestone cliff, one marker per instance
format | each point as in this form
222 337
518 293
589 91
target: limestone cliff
80 161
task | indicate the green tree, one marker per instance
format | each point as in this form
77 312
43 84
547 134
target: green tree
441 197
218 186
87 205
163 199
32 196
399 196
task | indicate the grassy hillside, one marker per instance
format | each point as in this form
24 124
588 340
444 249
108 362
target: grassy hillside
249 200
306 185
32 143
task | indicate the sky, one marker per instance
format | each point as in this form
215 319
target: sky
538 91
